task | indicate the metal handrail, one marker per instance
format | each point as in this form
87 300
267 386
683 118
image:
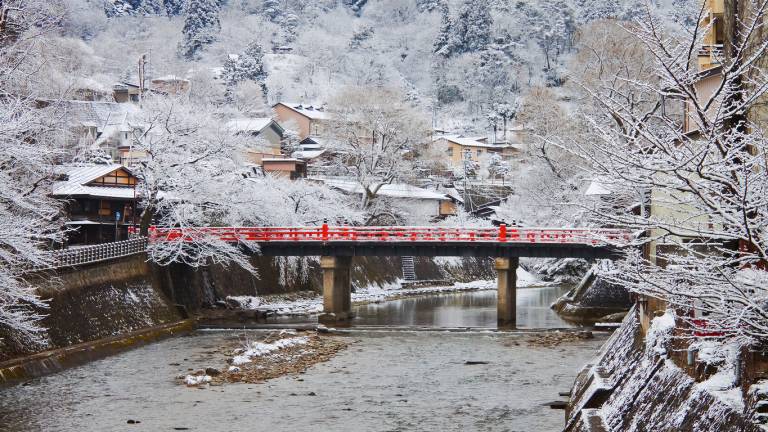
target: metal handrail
94 253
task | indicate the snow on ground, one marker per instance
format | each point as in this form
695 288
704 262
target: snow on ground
372 294
660 333
724 383
259 349
193 380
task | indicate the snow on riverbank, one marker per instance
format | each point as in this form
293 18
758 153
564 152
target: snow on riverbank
281 305
258 349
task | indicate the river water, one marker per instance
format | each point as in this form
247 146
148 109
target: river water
387 380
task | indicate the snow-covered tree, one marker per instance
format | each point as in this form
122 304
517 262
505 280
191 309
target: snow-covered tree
497 166
428 5
473 26
272 10
28 216
360 35
592 10
185 181
151 7
247 66
375 131
444 41
699 197
174 7
115 8
201 27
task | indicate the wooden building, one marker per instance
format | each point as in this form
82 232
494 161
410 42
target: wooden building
308 120
100 201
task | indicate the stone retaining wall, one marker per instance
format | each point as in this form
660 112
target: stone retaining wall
632 388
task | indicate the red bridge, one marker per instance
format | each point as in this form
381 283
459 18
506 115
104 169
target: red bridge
411 241
337 245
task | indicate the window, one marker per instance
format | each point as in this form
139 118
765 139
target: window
450 151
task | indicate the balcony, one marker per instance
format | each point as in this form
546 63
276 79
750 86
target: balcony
710 56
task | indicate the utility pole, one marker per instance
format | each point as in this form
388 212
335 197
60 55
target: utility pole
142 65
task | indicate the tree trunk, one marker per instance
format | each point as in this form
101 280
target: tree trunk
146 220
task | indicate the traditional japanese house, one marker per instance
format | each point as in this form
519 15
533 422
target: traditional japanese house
100 201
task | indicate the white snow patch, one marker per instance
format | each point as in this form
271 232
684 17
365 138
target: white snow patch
193 380
723 384
259 349
660 332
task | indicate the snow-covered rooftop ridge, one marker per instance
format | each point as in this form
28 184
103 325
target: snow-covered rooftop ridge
98 114
78 177
468 142
313 111
308 154
599 186
169 78
395 190
249 124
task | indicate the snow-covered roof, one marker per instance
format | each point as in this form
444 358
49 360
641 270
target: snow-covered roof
256 124
396 190
96 114
455 194
78 177
280 159
469 142
308 154
314 112
169 78
598 187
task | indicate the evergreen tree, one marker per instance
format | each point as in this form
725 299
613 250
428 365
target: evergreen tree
174 7
473 26
271 10
247 66
151 7
442 45
428 5
200 27
291 24
116 8
592 10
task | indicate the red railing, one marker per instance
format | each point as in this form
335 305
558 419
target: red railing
325 233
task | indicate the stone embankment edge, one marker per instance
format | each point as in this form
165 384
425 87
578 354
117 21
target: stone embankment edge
52 361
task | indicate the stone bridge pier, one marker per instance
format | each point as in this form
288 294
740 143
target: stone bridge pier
337 291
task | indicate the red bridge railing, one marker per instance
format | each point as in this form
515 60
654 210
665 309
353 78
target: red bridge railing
326 233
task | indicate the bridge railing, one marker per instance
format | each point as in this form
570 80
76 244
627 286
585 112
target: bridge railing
91 254
327 233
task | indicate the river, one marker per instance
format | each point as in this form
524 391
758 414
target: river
387 380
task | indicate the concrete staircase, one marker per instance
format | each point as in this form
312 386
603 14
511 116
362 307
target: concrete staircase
409 271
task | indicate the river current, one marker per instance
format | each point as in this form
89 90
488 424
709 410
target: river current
387 380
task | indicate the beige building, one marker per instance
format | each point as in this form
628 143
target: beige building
708 83
284 167
265 137
308 120
458 149
711 51
171 85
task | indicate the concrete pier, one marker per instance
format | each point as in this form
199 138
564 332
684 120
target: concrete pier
337 289
507 304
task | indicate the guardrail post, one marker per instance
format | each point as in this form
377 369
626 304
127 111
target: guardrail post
503 232
325 231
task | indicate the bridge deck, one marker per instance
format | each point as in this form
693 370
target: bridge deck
410 241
